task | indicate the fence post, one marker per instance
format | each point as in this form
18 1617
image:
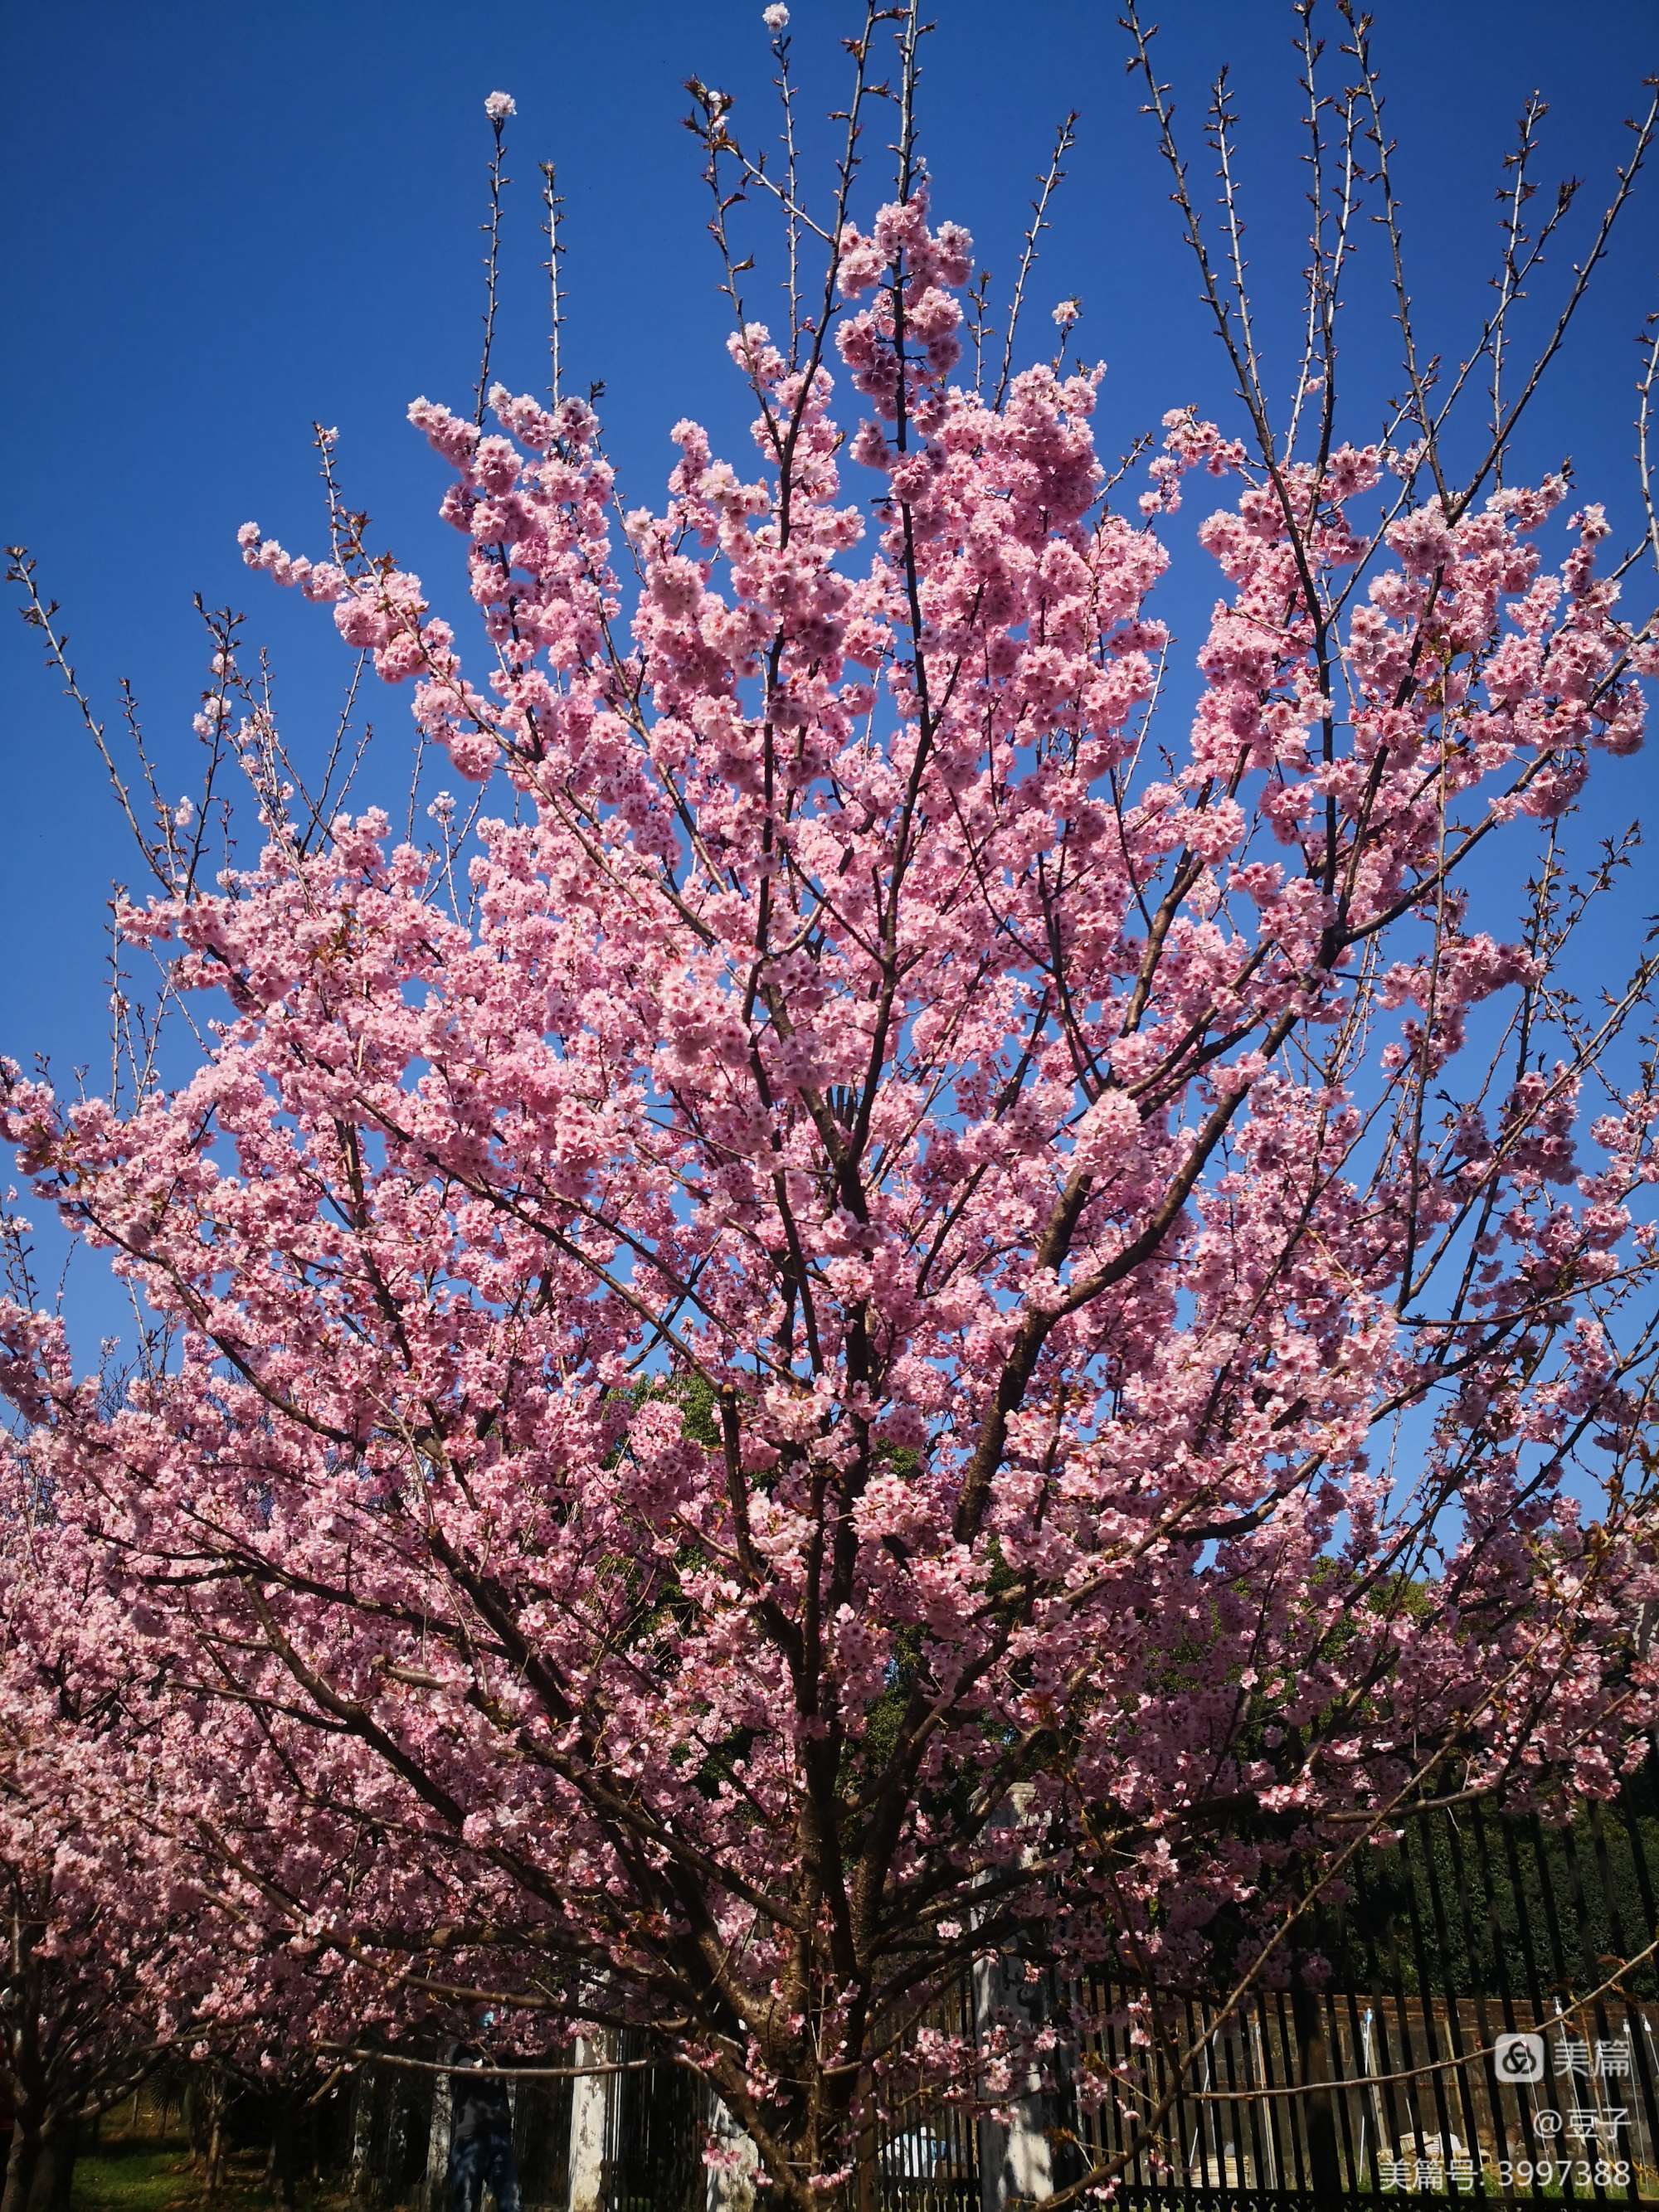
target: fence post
590 2109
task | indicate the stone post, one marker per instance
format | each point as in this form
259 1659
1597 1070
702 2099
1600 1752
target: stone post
590 2114
730 2187
1017 2162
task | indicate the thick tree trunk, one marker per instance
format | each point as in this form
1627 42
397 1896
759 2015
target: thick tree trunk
1324 2159
399 2131
21 2166
435 2189
285 2158
362 2132
54 2172
25 2074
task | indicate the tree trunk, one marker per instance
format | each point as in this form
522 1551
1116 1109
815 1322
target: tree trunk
398 2176
25 2072
285 2154
216 2139
54 2172
434 2189
196 2123
866 2176
362 2131
21 2166
1313 2056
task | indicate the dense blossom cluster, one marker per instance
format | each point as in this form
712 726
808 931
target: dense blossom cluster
806 1389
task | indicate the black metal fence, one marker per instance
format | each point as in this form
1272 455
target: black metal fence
659 2119
928 2154
656 2125
1483 2037
399 2142
1487 2031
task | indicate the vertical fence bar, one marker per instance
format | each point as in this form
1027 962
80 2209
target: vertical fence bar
1425 2000
1479 1976
1563 1973
1641 2076
1341 2070
1283 2041
1348 1940
1263 2174
1592 1970
1449 1981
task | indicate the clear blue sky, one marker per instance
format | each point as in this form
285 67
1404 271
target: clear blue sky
224 223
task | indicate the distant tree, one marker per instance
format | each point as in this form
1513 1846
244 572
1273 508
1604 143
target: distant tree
81 1926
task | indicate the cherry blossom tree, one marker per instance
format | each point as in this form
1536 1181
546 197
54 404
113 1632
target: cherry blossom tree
127 1941
903 1305
85 1922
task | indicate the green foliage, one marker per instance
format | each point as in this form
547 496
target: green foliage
1477 1904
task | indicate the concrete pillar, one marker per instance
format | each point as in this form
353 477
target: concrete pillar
1020 2163
590 2114
731 2183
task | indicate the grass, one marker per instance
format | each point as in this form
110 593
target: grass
144 2177
140 2174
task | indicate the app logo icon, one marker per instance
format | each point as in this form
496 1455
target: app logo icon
1519 2057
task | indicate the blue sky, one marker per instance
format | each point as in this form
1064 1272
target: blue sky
226 223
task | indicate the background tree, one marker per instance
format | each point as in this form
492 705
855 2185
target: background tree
87 1919
127 1944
